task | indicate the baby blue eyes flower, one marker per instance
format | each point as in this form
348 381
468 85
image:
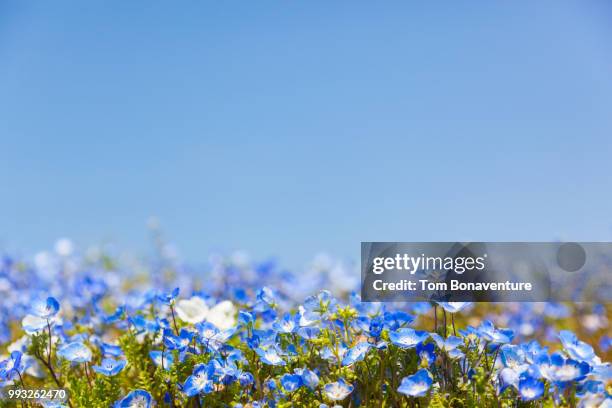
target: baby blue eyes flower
109 367
416 385
356 353
246 379
337 391
165 360
168 298
200 381
45 308
270 356
449 344
407 337
454 307
309 378
530 389
566 370
288 324
426 353
180 342
12 366
76 352
135 399
578 350
493 335
291 382
112 350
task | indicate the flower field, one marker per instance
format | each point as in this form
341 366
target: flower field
114 331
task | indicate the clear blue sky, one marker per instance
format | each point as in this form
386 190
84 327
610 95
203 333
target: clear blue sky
287 128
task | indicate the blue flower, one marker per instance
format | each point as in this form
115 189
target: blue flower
167 362
168 298
417 384
76 352
578 350
493 335
200 381
109 367
291 382
245 379
337 391
395 320
567 370
135 399
530 389
12 366
112 350
45 308
287 324
356 353
270 356
448 345
426 353
309 378
180 342
454 307
407 337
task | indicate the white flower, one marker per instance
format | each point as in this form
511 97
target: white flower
192 310
223 315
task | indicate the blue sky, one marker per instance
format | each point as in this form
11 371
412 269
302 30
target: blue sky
290 128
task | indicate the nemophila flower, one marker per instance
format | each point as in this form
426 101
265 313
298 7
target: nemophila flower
109 367
180 342
530 389
291 382
270 356
12 367
246 378
332 354
32 324
193 310
135 399
114 317
76 352
337 391
226 372
45 308
426 353
454 307
112 350
160 359
407 337
211 337
578 350
449 345
394 320
246 318
168 298
416 385
309 378
356 353
287 324
308 333
508 377
317 308
142 325
493 335
567 370
200 381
